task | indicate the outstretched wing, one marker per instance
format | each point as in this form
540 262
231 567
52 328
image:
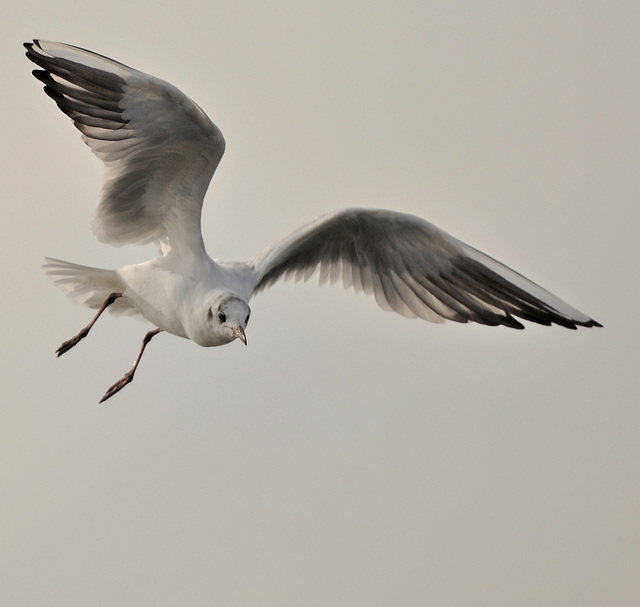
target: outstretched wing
159 148
413 268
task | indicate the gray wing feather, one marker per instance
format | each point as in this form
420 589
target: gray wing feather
159 148
413 268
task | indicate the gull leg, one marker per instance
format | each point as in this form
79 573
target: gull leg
128 377
67 345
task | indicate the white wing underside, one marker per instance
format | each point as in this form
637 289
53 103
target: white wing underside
159 148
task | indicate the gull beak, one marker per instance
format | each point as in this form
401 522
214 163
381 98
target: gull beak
239 333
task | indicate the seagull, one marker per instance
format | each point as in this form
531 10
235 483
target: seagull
160 151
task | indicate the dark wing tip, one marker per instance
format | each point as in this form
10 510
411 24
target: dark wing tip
31 52
591 323
511 323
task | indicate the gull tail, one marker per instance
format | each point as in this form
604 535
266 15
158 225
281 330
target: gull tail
88 286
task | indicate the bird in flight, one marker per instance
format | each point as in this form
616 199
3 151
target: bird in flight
160 151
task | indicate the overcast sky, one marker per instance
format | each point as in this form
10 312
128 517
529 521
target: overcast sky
347 456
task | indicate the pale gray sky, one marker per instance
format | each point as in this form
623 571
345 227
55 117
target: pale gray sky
347 456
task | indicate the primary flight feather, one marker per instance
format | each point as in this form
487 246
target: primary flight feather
160 151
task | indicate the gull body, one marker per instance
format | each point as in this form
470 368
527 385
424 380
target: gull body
160 151
190 301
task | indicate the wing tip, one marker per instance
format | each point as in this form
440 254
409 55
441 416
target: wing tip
590 324
33 48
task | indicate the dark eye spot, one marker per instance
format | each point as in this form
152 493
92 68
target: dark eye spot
222 317
246 320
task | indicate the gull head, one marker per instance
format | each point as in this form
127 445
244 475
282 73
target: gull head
227 317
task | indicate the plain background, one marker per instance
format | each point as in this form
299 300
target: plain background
347 456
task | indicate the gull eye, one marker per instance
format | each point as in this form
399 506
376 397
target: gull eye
246 320
222 317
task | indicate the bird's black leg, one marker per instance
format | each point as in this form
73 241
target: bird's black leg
128 377
67 345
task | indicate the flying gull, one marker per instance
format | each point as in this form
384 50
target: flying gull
160 151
